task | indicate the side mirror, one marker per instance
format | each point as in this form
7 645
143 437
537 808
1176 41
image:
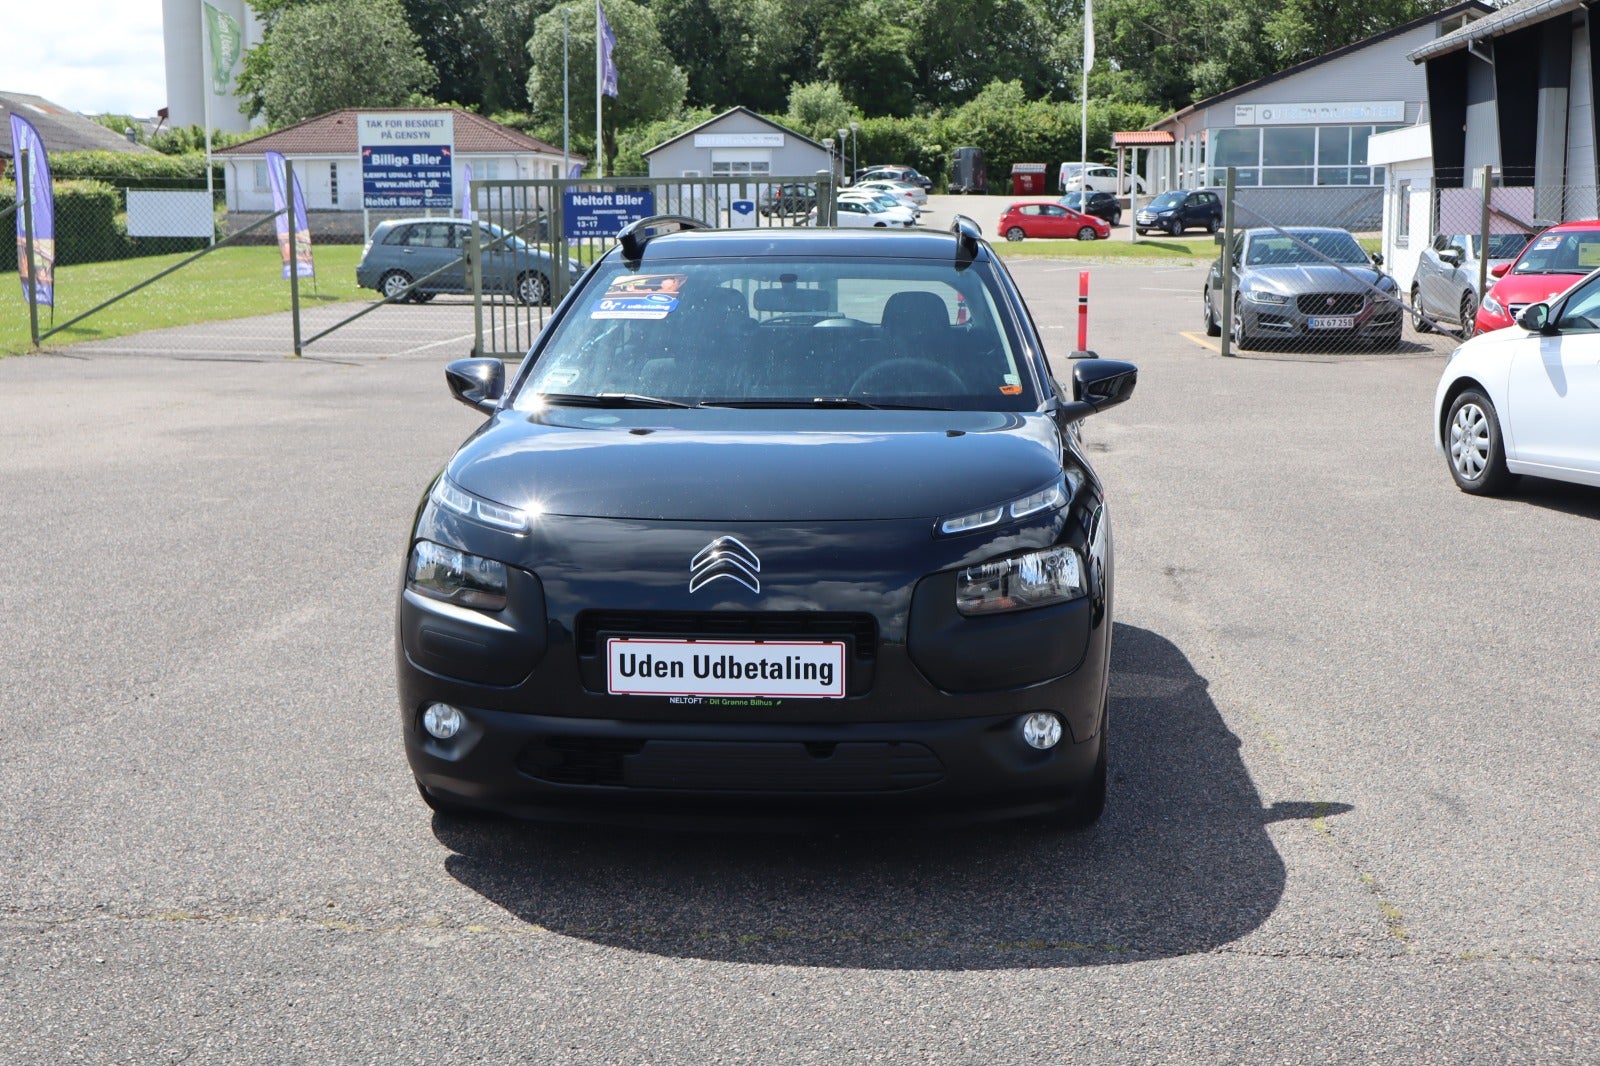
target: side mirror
1454 256
1098 384
1441 241
1377 259
478 383
1534 318
1499 269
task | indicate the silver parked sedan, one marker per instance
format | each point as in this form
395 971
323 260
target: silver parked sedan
1304 284
1445 290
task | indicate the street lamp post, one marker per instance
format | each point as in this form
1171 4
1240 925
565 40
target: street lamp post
844 136
827 143
855 161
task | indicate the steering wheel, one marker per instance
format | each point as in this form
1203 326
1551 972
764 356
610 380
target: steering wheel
874 378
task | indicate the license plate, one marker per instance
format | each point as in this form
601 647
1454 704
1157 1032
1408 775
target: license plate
770 669
1332 322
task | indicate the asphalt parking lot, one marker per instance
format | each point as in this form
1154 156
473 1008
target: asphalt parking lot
1354 752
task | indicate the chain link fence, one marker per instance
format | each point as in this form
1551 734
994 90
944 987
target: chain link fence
169 270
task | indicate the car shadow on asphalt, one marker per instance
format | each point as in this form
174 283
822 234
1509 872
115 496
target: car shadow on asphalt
1180 863
1581 501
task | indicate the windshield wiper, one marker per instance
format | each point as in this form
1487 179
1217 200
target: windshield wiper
607 399
843 402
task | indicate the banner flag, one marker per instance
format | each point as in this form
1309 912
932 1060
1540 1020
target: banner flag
38 277
576 172
227 41
1088 35
302 229
607 41
466 191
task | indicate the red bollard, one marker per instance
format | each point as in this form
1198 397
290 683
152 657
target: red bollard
1083 310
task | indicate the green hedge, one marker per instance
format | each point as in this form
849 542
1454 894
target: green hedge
91 227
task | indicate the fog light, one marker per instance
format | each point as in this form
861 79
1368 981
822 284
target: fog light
1041 730
443 721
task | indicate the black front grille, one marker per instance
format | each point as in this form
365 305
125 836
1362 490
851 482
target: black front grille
862 629
1331 303
732 766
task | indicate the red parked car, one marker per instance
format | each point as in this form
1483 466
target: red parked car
1047 218
1549 265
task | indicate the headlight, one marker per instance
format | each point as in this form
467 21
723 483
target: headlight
1259 296
1491 305
456 577
1054 575
453 497
1052 496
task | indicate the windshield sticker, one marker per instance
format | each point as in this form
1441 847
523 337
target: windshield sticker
560 379
1011 390
639 296
1547 243
1589 255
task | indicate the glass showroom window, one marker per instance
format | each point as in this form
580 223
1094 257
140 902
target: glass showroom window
738 168
1296 155
1239 147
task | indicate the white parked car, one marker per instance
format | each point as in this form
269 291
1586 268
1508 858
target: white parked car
1526 399
1100 178
900 190
898 208
860 213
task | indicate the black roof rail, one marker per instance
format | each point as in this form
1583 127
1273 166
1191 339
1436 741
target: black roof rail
635 235
969 235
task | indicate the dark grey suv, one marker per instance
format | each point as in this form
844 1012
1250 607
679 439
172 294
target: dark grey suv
418 258
1178 210
791 199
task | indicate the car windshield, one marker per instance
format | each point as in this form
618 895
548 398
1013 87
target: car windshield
1168 199
491 233
1507 245
1073 200
1303 246
795 332
1575 252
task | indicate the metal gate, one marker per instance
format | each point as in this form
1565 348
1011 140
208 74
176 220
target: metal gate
538 235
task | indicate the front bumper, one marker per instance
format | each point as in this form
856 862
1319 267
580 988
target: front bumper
556 745
1377 320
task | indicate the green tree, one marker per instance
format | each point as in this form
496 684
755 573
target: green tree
818 110
866 53
649 84
478 47
739 52
959 46
1305 29
318 57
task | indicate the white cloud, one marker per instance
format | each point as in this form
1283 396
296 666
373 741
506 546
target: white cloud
91 56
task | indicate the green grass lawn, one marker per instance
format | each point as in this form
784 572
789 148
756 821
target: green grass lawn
233 282
1198 249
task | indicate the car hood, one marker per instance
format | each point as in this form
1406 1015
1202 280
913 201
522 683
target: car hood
1290 279
757 465
1532 288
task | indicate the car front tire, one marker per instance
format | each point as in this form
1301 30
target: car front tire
1175 228
1469 316
1419 320
1213 327
1474 448
1241 339
1116 218
1087 233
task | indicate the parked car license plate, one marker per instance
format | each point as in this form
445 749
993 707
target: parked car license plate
757 668
1332 322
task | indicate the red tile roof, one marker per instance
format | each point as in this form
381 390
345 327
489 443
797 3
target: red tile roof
1141 138
336 134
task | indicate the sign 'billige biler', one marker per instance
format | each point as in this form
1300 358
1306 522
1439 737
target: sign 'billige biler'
725 668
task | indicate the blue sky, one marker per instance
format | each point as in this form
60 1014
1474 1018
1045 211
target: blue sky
91 56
